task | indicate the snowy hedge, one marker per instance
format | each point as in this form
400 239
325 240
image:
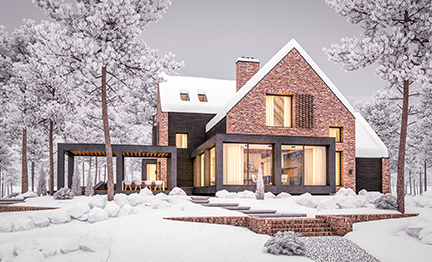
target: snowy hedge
285 243
63 193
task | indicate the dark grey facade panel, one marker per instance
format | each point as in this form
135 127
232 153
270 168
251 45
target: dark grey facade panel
193 125
219 128
369 174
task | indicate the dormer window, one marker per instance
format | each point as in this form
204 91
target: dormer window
202 98
184 96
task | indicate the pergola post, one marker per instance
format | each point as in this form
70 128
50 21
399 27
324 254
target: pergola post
119 171
60 168
71 165
172 170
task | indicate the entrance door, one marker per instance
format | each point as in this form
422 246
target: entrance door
151 172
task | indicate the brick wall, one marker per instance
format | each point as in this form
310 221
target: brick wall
244 71
23 208
385 175
162 138
293 76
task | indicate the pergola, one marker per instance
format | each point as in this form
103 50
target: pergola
119 152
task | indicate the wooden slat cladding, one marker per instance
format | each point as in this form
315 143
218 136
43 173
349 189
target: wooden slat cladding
304 110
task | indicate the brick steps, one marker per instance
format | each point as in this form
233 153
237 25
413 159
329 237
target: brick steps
200 201
306 227
221 205
258 211
278 215
238 208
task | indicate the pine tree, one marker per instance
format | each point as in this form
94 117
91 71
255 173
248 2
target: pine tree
397 38
100 43
76 181
41 188
259 192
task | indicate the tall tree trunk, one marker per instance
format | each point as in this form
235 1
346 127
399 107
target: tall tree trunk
420 183
425 175
96 171
105 173
51 156
410 183
402 147
108 149
1 184
32 174
24 172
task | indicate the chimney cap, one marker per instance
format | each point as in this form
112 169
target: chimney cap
249 59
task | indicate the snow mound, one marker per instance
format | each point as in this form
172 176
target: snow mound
427 239
6 226
222 193
176 191
23 223
79 209
126 210
425 231
363 192
246 194
98 201
422 201
94 242
269 195
307 200
345 192
361 200
158 203
121 199
372 196
83 217
60 216
135 199
417 224
30 255
40 219
50 250
345 201
70 246
232 195
146 192
327 204
97 214
24 244
427 193
28 194
283 195
161 196
112 209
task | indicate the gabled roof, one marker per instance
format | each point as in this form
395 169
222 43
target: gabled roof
266 69
217 92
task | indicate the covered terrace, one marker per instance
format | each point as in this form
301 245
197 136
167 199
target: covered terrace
119 152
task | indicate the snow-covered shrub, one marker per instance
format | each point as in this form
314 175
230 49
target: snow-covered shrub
135 199
372 196
6 226
98 201
89 187
97 214
176 191
346 192
362 192
221 193
421 201
246 194
387 201
259 192
12 195
307 200
24 244
79 209
269 195
23 223
28 194
42 187
232 195
146 192
76 181
112 209
59 216
345 200
361 200
285 243
283 195
126 210
30 255
327 204
63 193
40 219
121 199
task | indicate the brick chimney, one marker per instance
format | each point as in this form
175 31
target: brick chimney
246 67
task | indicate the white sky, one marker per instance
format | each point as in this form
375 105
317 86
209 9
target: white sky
210 35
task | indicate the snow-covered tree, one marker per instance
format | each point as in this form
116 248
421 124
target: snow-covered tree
76 181
425 128
99 41
396 37
259 192
42 187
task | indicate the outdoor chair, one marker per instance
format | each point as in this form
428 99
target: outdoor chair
158 184
126 184
138 183
148 184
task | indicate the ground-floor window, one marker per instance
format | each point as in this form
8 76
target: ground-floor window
304 165
338 168
243 162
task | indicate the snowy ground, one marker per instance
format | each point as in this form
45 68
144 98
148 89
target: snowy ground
145 236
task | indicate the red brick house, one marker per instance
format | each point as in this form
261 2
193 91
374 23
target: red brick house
285 119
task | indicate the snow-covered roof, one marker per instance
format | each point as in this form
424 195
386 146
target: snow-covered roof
368 144
217 92
292 44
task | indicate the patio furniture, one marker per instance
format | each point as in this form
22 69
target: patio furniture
126 184
159 184
138 183
148 184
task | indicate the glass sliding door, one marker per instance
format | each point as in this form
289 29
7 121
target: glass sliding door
292 165
234 156
315 171
260 157
212 166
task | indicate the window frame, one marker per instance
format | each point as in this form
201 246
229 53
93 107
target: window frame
337 139
204 98
338 182
187 140
184 94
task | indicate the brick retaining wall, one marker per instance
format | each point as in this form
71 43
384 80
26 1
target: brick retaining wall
23 208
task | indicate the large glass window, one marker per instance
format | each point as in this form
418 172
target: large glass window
278 110
243 162
213 166
304 165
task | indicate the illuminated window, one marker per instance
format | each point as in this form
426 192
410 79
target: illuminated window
336 132
202 98
184 96
278 110
338 168
181 140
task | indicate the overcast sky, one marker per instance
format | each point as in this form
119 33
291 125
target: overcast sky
209 35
